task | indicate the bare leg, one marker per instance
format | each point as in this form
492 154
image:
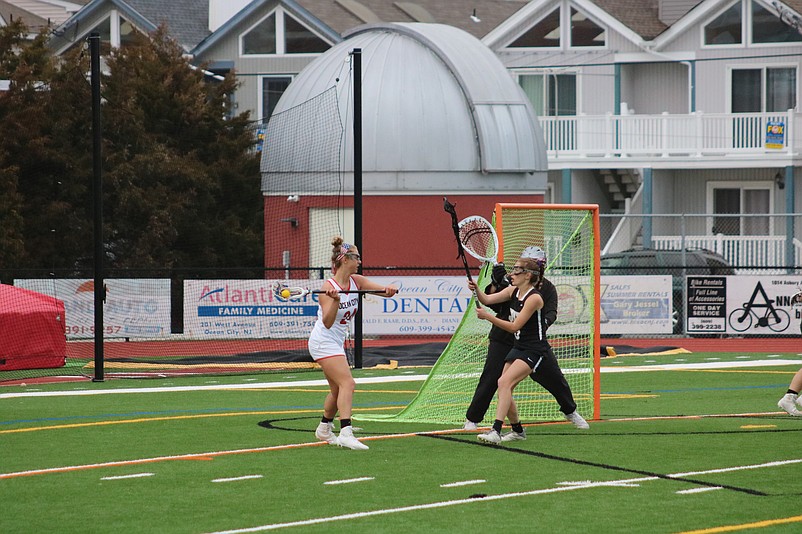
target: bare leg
341 383
513 373
512 413
796 382
330 404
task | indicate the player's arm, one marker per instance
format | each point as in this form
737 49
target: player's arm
367 284
531 305
329 303
488 300
498 281
550 299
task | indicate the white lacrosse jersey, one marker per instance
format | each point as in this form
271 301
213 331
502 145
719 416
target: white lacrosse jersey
325 342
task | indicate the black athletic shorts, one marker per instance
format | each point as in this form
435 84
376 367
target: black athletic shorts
532 359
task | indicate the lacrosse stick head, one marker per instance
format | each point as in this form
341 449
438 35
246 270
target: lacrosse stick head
478 238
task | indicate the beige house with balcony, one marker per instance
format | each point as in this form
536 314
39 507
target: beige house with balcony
649 108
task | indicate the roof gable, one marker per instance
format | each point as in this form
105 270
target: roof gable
790 11
647 22
253 10
186 20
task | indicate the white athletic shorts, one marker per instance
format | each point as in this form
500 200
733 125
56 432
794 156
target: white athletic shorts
322 344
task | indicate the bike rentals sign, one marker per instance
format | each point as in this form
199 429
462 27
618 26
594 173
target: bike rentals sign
760 305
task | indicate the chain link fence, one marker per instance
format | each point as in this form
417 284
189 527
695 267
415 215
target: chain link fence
725 274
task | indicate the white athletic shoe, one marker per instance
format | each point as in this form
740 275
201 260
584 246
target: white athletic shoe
490 437
788 403
578 420
325 432
347 439
469 425
512 435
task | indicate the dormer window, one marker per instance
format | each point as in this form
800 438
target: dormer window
279 33
262 37
769 28
751 22
585 32
544 34
565 27
726 28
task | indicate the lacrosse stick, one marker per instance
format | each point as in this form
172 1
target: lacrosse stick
451 210
295 293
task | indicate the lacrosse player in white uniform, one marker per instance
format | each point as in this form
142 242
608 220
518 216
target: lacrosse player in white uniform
326 342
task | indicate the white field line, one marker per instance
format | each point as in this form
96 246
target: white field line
213 454
457 502
385 379
709 365
348 481
463 483
236 479
135 475
698 490
171 389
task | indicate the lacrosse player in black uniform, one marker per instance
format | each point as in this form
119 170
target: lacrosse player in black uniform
548 374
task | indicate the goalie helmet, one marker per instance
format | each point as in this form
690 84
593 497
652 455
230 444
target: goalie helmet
535 253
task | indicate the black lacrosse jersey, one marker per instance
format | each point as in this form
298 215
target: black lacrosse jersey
548 314
532 335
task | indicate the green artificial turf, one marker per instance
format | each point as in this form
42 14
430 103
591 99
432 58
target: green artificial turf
662 433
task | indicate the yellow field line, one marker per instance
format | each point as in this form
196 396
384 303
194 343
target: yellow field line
208 455
175 418
766 372
745 526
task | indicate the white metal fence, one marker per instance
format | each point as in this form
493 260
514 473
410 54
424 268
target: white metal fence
774 252
690 135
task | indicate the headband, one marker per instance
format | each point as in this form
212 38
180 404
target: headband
344 248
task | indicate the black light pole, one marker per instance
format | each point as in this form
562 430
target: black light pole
100 293
357 55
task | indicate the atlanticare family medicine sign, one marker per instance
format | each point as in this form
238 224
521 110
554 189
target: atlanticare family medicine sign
250 308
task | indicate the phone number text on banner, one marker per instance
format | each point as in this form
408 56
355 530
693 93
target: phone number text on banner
134 308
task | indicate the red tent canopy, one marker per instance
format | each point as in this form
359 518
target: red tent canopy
32 330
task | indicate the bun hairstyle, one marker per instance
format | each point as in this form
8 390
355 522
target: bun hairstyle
336 254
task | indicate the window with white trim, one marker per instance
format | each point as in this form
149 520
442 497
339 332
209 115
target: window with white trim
764 89
751 22
564 27
272 89
551 94
279 33
115 32
727 199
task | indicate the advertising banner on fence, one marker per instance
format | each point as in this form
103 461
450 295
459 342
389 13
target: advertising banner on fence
423 306
249 308
743 305
135 307
246 309
634 305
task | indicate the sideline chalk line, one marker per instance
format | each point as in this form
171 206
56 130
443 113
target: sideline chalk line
382 379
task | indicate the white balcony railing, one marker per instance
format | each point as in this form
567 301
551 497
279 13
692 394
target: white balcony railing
693 135
738 250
